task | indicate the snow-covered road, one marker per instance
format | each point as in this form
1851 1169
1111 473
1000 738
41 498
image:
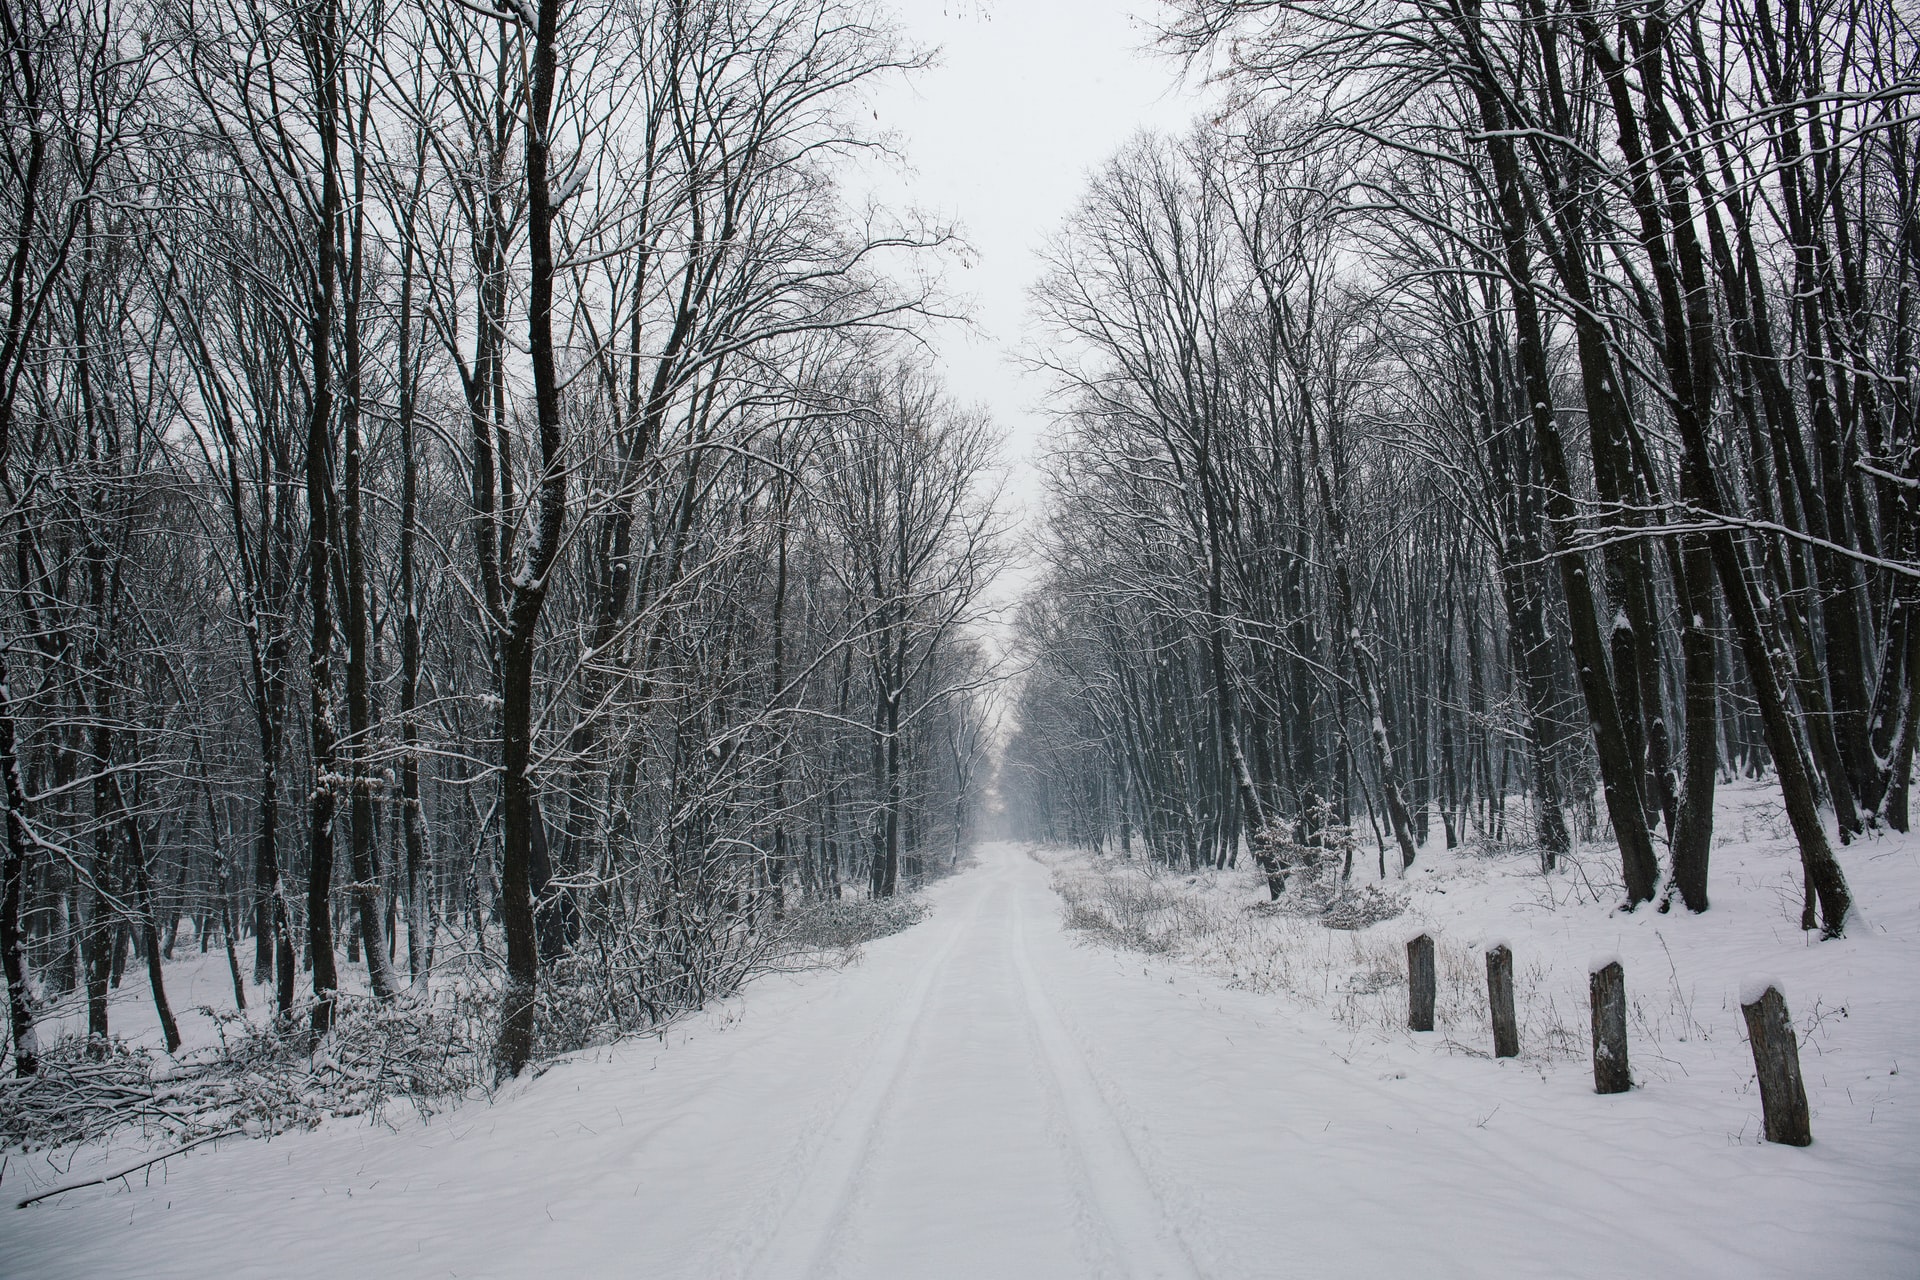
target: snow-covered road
984 1096
976 1141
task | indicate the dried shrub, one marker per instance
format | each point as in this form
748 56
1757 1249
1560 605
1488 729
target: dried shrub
842 924
1357 908
256 1080
1318 853
1129 907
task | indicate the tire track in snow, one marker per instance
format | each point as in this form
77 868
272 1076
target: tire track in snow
1099 1248
1117 1185
802 1236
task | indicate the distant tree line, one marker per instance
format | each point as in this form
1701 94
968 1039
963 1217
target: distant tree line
466 491
1496 400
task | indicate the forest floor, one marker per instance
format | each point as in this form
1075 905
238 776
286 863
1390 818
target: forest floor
992 1093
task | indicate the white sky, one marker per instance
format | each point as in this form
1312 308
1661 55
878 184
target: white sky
1026 98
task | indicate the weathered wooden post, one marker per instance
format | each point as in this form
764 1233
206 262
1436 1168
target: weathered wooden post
1608 986
1506 1030
1420 983
1776 1057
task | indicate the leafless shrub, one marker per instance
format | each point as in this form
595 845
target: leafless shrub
1319 853
1358 908
843 924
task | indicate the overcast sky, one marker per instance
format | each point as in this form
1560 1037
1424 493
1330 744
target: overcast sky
1027 97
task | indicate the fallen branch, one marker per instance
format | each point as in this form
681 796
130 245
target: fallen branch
110 1177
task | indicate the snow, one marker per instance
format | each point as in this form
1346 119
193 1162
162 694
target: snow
1601 959
989 1094
1754 988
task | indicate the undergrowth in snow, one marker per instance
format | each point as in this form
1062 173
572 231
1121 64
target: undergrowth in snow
237 1072
253 1080
843 924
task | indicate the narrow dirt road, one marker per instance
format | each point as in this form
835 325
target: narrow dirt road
982 1096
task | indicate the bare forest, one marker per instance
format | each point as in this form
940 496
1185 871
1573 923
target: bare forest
1497 418
476 512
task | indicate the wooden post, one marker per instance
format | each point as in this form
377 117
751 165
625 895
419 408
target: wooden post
1506 1030
1776 1057
1420 983
1609 993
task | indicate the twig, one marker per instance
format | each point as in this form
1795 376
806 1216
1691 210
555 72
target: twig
109 1177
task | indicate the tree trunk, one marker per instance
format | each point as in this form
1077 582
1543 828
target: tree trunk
321 36
150 925
412 821
13 876
515 1045
362 847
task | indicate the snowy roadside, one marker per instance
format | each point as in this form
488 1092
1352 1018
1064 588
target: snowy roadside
1855 1002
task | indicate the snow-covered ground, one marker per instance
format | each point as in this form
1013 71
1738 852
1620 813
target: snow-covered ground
990 1094
199 991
